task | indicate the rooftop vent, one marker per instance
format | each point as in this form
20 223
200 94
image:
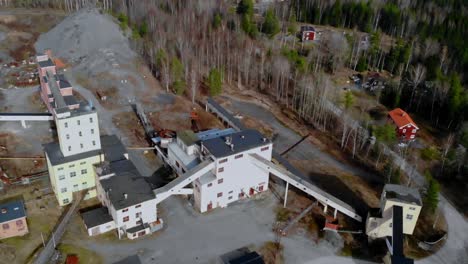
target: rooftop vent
125 196
232 147
4 210
16 208
242 136
228 140
264 139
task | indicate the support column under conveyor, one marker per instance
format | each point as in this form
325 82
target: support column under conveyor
323 197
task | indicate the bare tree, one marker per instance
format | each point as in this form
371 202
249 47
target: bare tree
416 76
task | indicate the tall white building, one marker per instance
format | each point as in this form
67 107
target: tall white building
380 220
70 160
234 176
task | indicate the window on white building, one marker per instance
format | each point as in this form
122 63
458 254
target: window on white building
63 190
264 148
390 225
85 183
78 122
230 198
92 130
210 184
66 124
67 136
69 148
84 171
223 160
83 163
231 192
239 156
126 218
138 206
138 215
221 169
72 174
75 186
81 145
94 143
71 166
80 133
59 169
65 201
125 210
409 217
220 181
220 194
62 177
90 119
412 208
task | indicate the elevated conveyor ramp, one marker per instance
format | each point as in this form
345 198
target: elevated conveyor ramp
177 186
307 187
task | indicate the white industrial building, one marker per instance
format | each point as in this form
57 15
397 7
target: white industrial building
233 175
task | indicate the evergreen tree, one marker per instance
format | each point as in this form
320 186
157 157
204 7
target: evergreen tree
245 7
215 81
271 24
431 198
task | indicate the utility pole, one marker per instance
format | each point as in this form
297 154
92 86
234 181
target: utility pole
286 195
43 243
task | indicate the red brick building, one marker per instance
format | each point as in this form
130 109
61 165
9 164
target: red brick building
405 127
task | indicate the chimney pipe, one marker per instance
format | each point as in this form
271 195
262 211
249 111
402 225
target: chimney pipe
125 196
232 147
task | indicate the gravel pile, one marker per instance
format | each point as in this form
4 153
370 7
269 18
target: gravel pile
88 40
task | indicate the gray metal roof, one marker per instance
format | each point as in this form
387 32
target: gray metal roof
11 211
70 100
241 141
96 217
46 63
111 147
56 157
403 193
129 184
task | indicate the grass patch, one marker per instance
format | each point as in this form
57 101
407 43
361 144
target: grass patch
272 252
85 255
282 214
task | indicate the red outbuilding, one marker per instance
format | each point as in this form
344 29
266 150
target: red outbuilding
307 33
405 127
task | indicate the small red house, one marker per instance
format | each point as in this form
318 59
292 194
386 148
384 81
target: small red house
405 127
307 33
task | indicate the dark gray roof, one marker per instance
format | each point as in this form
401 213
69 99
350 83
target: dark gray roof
111 147
242 141
129 183
136 229
11 211
130 260
46 63
70 100
56 156
63 83
242 256
95 217
225 113
402 193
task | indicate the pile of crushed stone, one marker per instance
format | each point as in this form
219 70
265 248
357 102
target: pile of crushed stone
89 41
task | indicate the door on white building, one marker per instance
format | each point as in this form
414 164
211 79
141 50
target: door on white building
210 206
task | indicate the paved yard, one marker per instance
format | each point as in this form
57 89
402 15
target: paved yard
190 237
